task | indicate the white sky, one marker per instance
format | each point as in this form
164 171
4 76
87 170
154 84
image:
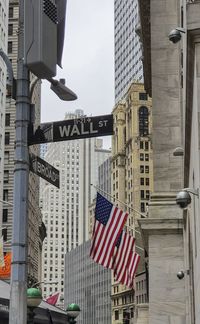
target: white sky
88 61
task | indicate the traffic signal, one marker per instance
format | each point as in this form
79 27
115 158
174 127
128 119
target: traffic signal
44 30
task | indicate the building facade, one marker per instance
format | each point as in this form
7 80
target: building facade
170 233
66 210
132 177
128 53
3 73
88 285
35 228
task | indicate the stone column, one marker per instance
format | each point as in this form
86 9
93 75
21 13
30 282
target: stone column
163 229
142 314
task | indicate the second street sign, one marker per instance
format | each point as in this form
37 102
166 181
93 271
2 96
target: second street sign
72 129
44 170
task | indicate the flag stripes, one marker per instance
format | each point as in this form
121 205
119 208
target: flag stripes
111 246
122 253
106 236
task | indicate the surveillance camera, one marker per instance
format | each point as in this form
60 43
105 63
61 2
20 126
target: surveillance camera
175 36
183 199
180 274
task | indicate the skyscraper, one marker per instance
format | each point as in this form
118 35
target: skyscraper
88 284
128 53
66 210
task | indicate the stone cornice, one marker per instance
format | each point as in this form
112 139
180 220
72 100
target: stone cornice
157 226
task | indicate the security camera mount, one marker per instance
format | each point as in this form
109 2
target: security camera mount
180 29
194 192
175 34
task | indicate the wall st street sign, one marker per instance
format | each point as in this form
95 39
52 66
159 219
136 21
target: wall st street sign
72 129
44 170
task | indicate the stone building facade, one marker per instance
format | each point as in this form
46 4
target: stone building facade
132 177
170 233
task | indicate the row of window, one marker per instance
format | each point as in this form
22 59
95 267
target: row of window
144 169
141 284
141 299
144 181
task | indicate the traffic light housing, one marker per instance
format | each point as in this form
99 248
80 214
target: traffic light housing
44 25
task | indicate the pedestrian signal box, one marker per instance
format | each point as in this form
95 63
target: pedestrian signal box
43 30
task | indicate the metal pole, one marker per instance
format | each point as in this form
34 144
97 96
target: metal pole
121 202
18 297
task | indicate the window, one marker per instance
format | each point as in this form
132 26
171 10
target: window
9 47
146 157
142 145
10 30
143 121
5 195
142 207
141 157
142 194
141 168
142 181
146 146
6 176
147 181
4 234
5 215
7 138
116 315
10 14
142 96
7 120
146 169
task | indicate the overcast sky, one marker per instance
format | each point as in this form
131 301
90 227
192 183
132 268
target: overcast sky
88 61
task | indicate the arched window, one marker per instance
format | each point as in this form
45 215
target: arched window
143 121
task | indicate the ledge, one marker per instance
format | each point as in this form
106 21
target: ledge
157 226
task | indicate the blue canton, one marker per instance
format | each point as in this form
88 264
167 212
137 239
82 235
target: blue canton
103 209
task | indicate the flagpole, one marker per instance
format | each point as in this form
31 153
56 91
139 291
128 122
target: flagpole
6 202
121 202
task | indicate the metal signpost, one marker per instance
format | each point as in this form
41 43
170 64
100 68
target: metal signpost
37 43
44 170
72 129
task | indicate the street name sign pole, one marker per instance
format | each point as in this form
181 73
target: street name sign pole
18 283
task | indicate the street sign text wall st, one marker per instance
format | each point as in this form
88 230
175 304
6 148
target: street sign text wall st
72 129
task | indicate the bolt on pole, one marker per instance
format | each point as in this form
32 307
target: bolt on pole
18 294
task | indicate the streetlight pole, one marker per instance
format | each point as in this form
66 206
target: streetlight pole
18 294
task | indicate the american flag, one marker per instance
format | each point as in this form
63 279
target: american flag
109 222
125 260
